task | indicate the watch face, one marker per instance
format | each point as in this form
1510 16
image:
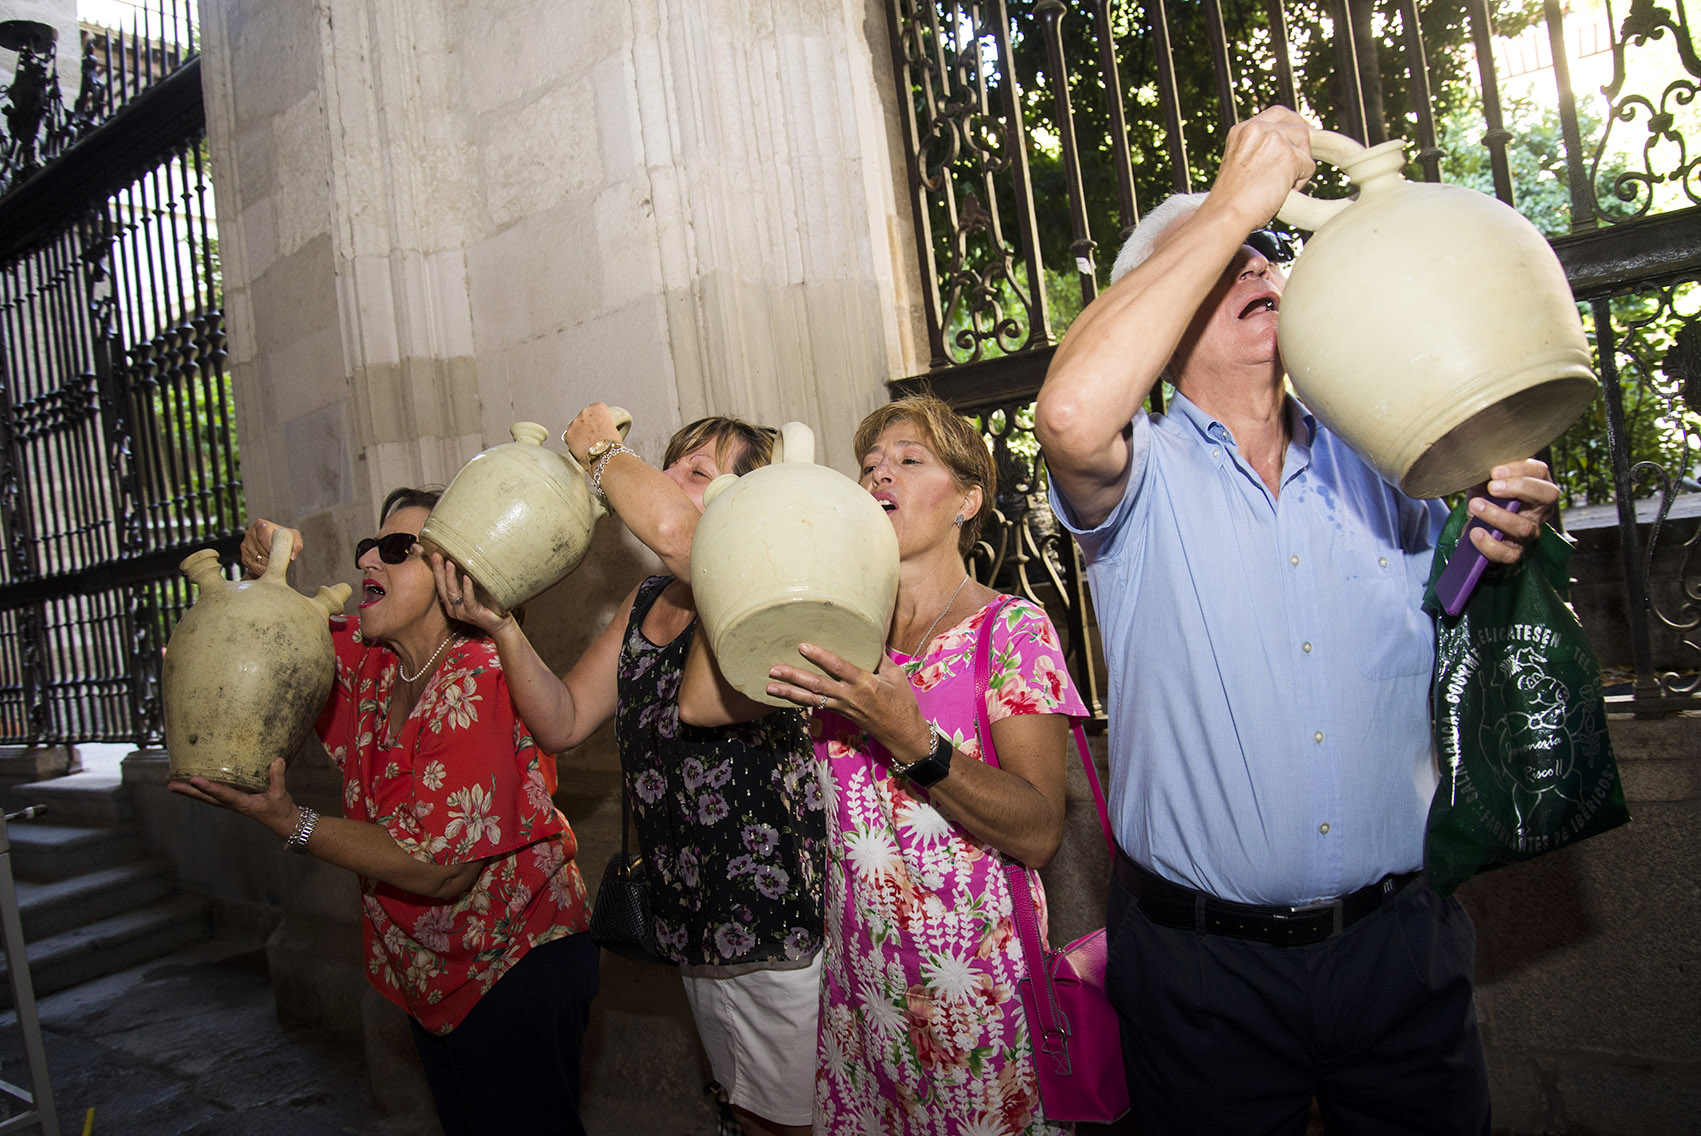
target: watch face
598 449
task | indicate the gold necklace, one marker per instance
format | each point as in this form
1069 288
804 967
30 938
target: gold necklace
429 663
928 637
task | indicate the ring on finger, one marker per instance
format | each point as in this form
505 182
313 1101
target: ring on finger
822 705
456 602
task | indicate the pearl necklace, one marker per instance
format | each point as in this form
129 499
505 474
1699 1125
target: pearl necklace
429 663
928 636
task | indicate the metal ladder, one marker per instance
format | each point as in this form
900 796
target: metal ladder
38 1098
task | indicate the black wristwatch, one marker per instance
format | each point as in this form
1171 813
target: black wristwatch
931 769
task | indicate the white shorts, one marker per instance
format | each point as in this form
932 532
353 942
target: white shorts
759 1031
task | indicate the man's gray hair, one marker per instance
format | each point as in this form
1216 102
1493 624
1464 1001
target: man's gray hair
1144 238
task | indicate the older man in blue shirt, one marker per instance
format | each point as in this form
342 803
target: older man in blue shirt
1258 589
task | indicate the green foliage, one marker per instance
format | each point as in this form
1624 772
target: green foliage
1535 158
1158 166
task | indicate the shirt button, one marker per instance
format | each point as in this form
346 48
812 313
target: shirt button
1318 737
1382 560
1294 560
1324 828
1306 647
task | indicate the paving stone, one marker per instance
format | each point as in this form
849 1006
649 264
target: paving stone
191 1046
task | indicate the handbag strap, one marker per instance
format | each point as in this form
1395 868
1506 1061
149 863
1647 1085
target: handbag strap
983 659
625 823
1052 1029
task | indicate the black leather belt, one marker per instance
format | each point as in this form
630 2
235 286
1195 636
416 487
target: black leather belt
1172 905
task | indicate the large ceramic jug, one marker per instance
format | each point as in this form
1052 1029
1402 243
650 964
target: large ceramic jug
792 553
247 670
517 517
1431 326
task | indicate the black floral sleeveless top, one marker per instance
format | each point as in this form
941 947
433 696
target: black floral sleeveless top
730 819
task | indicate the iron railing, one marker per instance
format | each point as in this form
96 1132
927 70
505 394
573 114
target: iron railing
1036 132
117 444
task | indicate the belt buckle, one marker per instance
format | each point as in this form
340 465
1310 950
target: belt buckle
1294 927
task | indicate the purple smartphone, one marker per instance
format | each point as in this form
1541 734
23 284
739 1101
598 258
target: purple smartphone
1464 567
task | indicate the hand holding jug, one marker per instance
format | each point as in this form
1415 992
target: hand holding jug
517 518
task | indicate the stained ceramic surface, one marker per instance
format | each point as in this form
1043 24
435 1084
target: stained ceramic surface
247 670
1431 326
517 517
793 552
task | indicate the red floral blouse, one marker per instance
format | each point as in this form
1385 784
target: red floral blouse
463 781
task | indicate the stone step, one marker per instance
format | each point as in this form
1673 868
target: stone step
89 798
50 908
109 945
45 851
22 765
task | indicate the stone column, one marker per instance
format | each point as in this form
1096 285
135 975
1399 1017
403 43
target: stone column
437 217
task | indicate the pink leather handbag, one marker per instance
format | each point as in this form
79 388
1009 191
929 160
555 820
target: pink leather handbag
1076 1036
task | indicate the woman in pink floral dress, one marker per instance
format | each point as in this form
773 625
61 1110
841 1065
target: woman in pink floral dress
471 894
922 1029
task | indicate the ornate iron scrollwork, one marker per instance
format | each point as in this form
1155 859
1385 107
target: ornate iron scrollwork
34 112
1666 158
966 140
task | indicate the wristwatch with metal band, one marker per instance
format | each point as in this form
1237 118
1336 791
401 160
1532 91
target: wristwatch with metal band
931 769
599 448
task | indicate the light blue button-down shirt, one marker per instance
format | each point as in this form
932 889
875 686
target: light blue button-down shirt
1269 662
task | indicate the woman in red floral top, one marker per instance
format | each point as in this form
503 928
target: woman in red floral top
471 896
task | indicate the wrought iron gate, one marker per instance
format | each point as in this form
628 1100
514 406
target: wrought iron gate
1036 132
117 444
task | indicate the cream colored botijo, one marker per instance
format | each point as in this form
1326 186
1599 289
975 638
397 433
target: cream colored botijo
247 670
517 518
792 553
1431 326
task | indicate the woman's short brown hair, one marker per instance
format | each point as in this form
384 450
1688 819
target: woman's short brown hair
755 443
949 435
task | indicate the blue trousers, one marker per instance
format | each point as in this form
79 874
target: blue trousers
512 1065
1232 1036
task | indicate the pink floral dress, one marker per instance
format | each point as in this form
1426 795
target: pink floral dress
463 781
922 1029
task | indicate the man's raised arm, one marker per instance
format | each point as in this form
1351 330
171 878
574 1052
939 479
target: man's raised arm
1118 347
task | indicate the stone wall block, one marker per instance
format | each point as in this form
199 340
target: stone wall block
445 278
321 471
1587 959
510 56
628 267
618 126
300 365
621 357
303 162
260 234
1578 948
536 156
366 295
316 973
537 277
277 52
392 1064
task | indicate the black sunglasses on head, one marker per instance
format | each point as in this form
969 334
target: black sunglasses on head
392 549
1273 246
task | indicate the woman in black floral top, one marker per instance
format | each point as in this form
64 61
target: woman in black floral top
729 819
